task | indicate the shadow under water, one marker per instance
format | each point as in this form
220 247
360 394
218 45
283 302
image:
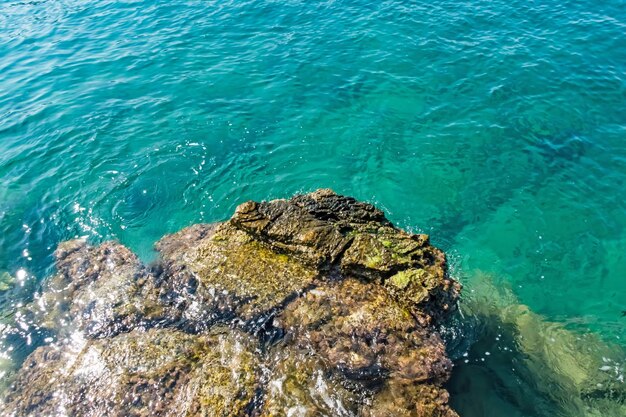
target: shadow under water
510 361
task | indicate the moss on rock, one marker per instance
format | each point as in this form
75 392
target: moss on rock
311 306
158 372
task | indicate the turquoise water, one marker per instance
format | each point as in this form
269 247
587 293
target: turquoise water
499 127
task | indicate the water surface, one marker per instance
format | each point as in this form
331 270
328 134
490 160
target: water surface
498 127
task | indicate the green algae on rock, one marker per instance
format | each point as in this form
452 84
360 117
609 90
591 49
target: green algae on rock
311 306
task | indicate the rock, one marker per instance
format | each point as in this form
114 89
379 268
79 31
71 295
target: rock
314 225
6 281
100 290
300 384
565 372
373 344
360 331
228 275
311 306
158 372
410 400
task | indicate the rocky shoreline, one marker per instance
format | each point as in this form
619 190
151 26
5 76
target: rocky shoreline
311 306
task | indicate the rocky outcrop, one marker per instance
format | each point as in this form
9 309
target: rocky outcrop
311 306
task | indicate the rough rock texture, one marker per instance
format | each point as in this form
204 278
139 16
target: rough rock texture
158 372
313 306
360 331
100 290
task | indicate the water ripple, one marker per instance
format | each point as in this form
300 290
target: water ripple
498 127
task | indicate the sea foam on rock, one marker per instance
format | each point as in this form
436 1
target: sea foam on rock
311 306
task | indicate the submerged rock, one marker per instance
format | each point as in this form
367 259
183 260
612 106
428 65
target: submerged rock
101 291
507 348
6 281
311 306
157 372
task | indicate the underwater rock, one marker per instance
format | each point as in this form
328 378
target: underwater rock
99 290
507 348
158 372
311 306
6 281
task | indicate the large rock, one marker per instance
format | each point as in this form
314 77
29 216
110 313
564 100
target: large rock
311 306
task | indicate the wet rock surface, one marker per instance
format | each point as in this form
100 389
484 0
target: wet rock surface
156 372
313 306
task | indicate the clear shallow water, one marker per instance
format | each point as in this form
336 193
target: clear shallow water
497 127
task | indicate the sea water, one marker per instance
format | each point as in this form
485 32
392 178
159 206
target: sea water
498 127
